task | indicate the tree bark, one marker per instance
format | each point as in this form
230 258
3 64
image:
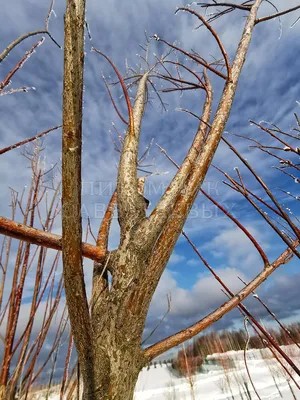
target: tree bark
117 326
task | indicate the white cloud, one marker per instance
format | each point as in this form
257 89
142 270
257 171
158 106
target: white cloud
177 258
200 299
235 247
193 262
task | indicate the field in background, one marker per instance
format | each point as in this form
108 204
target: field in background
223 376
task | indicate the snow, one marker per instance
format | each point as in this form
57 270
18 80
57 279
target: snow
160 383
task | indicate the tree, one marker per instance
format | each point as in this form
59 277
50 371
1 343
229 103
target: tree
108 332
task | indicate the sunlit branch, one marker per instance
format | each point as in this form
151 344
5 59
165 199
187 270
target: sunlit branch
165 205
102 238
196 178
35 236
130 205
24 89
178 338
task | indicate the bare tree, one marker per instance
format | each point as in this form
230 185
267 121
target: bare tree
108 335
23 343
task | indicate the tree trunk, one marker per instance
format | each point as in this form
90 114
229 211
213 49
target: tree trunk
116 371
117 325
117 363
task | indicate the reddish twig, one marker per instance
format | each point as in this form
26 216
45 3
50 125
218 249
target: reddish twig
113 101
126 95
198 60
27 55
17 145
215 35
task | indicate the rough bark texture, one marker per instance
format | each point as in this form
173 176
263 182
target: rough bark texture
71 191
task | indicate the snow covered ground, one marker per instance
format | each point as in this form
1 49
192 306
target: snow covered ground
160 383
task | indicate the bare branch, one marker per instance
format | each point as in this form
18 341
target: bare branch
27 55
194 58
255 296
279 14
131 208
180 337
245 7
20 39
10 47
41 238
113 101
241 226
17 145
265 187
288 147
129 107
169 299
50 11
16 90
163 209
102 238
245 357
215 35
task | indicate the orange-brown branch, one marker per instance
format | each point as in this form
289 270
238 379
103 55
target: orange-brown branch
102 238
20 231
180 337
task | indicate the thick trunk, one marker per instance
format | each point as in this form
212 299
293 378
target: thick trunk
117 325
116 372
117 364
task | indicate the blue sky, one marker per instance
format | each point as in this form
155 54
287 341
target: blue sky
268 90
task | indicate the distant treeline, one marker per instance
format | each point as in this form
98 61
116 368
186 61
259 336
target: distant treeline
190 359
